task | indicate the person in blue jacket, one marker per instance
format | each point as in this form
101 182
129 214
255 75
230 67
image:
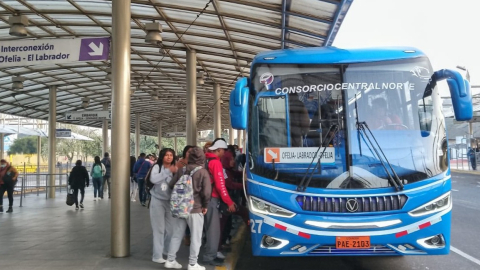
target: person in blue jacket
140 169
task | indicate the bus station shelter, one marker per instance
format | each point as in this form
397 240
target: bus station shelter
155 66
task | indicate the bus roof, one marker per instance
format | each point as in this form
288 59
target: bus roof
333 55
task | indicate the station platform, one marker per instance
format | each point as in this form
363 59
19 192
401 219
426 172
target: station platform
49 234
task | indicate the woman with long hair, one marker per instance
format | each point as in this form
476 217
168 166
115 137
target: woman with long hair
97 172
160 214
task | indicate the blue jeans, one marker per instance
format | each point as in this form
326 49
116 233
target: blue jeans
142 195
97 186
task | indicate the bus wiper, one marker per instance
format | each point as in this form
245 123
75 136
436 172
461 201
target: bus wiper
303 186
358 126
394 180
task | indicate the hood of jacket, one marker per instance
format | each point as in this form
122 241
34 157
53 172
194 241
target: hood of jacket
196 157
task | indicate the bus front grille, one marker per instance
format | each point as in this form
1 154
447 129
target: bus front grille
364 204
376 249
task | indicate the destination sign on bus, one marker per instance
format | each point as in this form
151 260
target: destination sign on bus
298 154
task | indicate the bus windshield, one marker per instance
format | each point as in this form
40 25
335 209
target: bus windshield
346 126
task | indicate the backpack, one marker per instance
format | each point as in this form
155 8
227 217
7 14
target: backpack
97 171
181 201
148 184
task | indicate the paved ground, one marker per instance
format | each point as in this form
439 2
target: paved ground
48 234
464 254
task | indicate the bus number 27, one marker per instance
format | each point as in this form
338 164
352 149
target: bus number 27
259 222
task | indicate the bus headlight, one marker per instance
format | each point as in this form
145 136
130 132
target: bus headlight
262 207
441 203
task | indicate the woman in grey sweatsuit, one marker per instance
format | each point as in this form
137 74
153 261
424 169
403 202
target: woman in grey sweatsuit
160 214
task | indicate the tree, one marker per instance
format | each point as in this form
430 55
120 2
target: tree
25 145
149 145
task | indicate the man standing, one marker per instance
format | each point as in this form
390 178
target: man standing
219 192
202 189
471 156
106 178
140 169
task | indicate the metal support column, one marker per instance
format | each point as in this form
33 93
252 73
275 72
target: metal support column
231 136
120 213
239 138
52 123
217 112
159 135
175 140
39 153
137 135
191 127
105 131
2 146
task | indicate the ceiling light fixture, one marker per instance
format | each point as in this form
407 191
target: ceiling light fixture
153 33
18 25
109 73
17 82
85 102
200 78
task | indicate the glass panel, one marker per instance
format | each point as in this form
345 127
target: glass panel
376 114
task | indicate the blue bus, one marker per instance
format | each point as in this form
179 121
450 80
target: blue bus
347 151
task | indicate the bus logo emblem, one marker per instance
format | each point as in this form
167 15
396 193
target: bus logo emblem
266 79
352 205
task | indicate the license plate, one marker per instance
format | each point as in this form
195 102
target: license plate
352 242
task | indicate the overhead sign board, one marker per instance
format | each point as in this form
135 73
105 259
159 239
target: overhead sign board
298 155
26 52
176 134
63 133
88 115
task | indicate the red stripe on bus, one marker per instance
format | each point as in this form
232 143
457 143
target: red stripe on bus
424 225
305 235
400 234
278 226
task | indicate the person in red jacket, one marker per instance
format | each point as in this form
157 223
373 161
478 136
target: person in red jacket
219 192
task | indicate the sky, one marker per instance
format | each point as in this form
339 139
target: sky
448 32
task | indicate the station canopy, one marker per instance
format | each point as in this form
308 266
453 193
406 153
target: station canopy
226 35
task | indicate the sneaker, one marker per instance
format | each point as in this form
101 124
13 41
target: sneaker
215 262
143 204
196 267
161 260
81 205
174 264
76 207
94 199
220 255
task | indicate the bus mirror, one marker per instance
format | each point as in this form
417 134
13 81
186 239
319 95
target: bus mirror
460 93
239 104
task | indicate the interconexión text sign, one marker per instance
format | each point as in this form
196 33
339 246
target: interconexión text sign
27 52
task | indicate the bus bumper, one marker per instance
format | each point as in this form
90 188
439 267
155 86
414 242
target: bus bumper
274 237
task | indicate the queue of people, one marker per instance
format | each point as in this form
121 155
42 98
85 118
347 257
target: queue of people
214 177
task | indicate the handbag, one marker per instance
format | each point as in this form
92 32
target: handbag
70 198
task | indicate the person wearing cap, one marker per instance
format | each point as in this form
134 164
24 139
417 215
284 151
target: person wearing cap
8 179
219 192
